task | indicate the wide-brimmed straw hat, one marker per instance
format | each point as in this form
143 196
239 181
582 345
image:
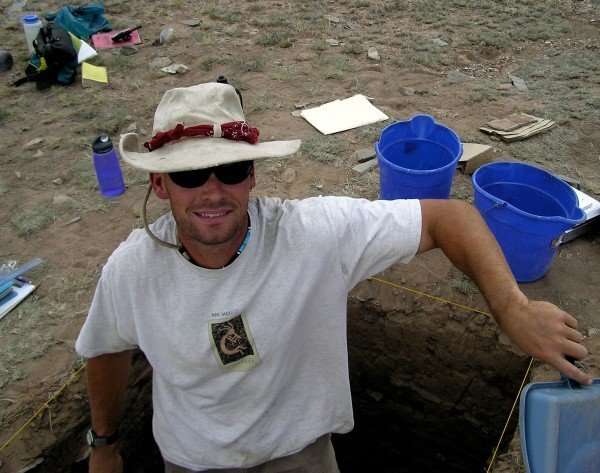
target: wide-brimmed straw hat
200 127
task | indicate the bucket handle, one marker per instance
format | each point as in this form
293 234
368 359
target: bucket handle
554 243
558 240
570 382
497 205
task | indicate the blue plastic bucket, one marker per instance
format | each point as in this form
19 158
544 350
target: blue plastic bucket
527 209
417 159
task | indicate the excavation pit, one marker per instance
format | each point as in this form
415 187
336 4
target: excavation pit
432 387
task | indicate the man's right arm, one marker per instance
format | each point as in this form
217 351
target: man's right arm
107 377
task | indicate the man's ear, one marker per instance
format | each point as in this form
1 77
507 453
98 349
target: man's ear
159 185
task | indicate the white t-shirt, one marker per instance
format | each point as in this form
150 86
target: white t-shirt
250 361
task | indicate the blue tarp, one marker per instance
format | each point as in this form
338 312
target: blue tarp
82 21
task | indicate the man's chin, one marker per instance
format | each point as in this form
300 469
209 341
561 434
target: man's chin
213 236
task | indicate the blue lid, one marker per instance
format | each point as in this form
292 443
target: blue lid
30 19
560 427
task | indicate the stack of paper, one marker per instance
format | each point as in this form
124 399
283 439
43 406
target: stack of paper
341 115
517 126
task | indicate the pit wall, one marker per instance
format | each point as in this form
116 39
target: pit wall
432 385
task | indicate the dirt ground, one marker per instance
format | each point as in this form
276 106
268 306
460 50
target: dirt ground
279 56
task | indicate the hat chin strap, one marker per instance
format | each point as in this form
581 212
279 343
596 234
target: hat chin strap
147 228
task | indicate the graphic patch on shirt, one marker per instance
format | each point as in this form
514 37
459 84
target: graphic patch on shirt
233 343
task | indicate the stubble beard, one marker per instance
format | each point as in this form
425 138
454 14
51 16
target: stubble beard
207 236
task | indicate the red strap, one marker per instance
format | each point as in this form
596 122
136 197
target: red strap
237 131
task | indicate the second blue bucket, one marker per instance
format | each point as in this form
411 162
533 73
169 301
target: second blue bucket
417 159
527 209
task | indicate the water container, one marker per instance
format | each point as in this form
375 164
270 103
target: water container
528 210
417 159
31 26
108 169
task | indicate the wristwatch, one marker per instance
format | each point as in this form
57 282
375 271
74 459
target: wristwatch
94 440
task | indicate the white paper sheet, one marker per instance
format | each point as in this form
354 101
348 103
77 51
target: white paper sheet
341 115
85 52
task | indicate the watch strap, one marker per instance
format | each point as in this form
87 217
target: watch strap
95 440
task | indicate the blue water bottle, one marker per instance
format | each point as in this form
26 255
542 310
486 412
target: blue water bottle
108 169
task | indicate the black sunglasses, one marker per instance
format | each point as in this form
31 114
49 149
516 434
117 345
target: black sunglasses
230 174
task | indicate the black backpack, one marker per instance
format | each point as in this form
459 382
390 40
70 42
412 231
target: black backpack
54 61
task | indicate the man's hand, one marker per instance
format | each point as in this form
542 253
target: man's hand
538 328
106 459
547 333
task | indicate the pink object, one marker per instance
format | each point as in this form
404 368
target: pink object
104 40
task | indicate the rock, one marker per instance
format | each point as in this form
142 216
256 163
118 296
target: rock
72 221
58 181
18 174
193 22
166 35
38 154
33 143
505 87
332 42
136 211
456 77
301 105
365 166
593 332
439 42
407 91
332 19
518 83
289 175
176 69
160 62
302 57
373 54
131 128
297 113
376 396
128 50
64 200
364 154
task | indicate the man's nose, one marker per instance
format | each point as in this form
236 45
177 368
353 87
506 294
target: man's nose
212 184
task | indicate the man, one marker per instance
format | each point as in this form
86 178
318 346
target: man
239 304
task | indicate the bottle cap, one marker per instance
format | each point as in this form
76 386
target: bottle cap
102 144
30 19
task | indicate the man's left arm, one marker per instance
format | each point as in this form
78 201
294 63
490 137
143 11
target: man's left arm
538 328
